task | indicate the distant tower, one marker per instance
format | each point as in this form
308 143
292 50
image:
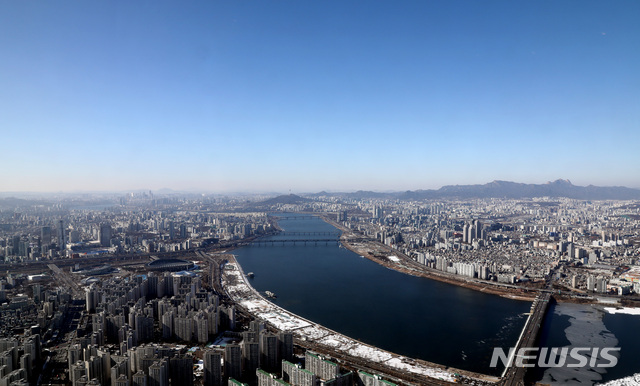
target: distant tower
478 229
45 236
465 233
16 245
61 240
172 231
105 235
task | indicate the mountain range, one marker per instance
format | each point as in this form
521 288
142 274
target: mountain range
507 189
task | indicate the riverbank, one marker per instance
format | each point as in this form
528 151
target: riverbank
326 341
380 253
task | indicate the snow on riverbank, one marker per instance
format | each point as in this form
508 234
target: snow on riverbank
624 310
633 380
241 292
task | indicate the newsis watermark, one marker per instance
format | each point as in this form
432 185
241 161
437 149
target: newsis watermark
556 357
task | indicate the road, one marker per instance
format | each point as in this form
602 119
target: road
67 281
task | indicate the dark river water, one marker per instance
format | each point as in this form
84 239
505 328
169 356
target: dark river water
412 316
424 318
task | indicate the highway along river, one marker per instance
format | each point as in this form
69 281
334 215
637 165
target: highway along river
411 316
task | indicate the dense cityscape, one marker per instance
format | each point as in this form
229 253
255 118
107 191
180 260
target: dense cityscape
142 289
319 193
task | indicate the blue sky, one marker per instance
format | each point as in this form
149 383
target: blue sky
317 95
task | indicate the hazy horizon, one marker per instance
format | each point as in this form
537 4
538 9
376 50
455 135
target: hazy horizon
310 96
262 192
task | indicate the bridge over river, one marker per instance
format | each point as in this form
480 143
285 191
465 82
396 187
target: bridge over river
294 241
514 375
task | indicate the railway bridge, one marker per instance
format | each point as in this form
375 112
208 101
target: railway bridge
513 375
294 242
309 217
327 233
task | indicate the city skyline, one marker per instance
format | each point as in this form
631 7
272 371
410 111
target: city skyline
305 97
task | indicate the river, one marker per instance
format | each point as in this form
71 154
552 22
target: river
412 316
424 318
586 325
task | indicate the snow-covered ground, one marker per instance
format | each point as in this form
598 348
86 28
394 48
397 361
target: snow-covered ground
633 380
241 292
624 310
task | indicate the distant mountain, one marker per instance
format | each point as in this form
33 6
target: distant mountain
360 194
557 188
507 189
284 199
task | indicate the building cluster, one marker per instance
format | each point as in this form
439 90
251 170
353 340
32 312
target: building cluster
165 327
27 322
112 335
129 313
511 241
114 338
18 358
46 231
502 240
318 370
111 341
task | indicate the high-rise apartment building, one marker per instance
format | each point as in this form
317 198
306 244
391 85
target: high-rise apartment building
212 368
159 374
269 360
233 361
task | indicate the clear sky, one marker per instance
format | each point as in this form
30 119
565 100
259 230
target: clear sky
305 96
